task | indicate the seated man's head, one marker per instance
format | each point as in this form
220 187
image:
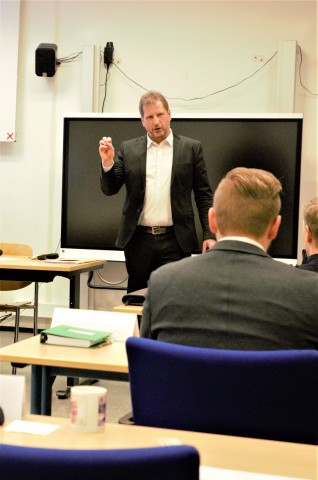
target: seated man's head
247 204
311 226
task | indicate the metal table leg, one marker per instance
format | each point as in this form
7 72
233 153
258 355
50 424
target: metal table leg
36 379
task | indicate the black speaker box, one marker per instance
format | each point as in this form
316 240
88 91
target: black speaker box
45 60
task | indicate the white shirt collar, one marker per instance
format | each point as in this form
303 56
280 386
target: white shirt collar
168 140
243 239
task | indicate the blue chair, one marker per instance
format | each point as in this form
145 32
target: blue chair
155 463
269 395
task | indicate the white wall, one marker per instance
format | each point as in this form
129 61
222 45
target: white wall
9 42
183 48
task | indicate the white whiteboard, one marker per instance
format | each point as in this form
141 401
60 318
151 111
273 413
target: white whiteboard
9 49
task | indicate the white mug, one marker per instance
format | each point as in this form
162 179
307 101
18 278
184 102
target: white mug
88 408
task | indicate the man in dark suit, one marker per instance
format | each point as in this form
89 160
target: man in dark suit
236 296
160 171
310 253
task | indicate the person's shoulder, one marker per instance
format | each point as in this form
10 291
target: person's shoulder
311 263
303 270
177 269
186 140
308 268
134 141
291 274
303 278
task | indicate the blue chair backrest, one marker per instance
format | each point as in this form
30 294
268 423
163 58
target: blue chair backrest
270 395
155 463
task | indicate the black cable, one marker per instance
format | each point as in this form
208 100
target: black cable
69 58
130 79
209 94
111 283
106 82
58 245
102 287
299 72
5 316
227 88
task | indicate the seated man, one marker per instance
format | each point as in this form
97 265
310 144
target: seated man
236 296
310 253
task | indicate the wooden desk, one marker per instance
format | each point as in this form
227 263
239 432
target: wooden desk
26 269
136 309
219 451
108 362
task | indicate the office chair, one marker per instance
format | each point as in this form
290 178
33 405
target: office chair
153 463
10 285
270 395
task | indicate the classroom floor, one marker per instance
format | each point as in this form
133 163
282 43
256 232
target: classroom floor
118 394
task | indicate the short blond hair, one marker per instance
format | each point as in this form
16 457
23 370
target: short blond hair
152 97
311 217
247 201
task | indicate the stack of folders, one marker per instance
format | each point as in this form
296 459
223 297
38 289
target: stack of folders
75 337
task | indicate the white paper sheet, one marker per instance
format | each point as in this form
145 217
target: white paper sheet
36 428
5 259
211 473
12 396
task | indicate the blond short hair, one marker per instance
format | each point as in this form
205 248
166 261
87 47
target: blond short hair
311 217
151 97
247 201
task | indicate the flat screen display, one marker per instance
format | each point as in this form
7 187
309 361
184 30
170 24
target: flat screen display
90 219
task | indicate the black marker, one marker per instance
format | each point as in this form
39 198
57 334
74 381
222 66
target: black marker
47 255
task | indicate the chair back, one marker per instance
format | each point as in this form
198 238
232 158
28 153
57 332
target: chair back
19 249
155 463
269 395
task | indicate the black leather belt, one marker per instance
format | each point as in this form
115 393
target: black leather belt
155 230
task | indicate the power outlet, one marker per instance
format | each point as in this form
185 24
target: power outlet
108 54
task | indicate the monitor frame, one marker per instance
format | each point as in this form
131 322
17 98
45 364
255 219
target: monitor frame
76 249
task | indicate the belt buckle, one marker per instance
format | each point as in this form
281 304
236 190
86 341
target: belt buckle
157 230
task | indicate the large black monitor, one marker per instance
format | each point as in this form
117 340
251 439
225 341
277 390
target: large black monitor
90 219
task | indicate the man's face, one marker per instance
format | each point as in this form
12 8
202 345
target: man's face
156 120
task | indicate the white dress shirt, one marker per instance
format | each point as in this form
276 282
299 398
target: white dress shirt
157 205
242 239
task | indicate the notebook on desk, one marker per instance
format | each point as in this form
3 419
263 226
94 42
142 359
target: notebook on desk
72 336
122 325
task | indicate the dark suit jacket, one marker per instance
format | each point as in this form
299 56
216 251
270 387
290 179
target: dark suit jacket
310 263
235 296
188 174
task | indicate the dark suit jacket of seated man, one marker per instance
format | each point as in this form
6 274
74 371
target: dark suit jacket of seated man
236 296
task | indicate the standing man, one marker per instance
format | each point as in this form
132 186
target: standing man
160 171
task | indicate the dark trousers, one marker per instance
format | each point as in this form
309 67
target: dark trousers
145 252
